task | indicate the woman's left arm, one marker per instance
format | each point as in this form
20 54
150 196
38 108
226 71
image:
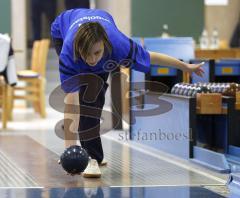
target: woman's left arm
165 60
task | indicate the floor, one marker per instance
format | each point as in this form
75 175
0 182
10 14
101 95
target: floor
30 149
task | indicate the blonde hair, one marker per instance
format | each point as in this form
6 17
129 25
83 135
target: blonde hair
87 35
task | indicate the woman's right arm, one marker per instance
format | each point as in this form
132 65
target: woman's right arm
70 132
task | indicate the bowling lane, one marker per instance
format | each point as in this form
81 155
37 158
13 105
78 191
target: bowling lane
127 166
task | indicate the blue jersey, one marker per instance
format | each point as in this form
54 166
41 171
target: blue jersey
65 27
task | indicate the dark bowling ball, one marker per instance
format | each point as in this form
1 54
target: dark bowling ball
74 159
204 89
231 90
237 87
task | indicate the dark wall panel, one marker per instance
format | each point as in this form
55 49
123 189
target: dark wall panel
5 16
184 17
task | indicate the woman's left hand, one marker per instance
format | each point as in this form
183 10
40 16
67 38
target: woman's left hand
196 68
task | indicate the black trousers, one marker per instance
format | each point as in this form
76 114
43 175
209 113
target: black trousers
38 8
88 124
91 125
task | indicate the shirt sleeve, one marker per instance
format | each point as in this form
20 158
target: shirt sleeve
126 49
55 29
68 75
141 58
60 25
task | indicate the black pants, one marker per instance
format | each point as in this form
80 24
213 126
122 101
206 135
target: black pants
86 123
38 8
91 125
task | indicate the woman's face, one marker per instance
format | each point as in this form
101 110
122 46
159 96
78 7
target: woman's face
95 54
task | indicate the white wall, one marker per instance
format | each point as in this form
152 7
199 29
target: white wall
121 12
19 33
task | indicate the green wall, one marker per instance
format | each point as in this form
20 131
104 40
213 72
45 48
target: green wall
5 16
184 17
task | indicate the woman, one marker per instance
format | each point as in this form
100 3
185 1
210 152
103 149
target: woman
86 40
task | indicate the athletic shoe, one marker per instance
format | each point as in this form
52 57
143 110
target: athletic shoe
92 169
103 163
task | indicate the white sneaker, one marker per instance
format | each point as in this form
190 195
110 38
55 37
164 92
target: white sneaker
92 169
103 163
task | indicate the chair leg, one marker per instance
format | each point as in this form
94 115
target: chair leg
10 103
36 107
35 104
4 109
42 104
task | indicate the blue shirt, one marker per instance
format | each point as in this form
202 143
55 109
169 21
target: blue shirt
65 27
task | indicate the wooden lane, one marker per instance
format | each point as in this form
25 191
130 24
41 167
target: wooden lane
41 163
127 166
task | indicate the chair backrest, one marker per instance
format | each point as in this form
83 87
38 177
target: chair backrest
39 56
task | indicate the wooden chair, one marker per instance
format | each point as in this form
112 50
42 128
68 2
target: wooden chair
34 79
5 101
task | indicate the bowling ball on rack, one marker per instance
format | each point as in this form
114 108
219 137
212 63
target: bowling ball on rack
204 89
195 91
175 89
186 90
212 87
218 87
231 89
190 91
182 89
222 87
74 159
225 86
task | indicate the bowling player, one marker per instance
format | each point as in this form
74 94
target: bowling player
87 42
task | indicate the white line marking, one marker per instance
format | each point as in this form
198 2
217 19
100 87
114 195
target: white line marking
182 185
31 187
